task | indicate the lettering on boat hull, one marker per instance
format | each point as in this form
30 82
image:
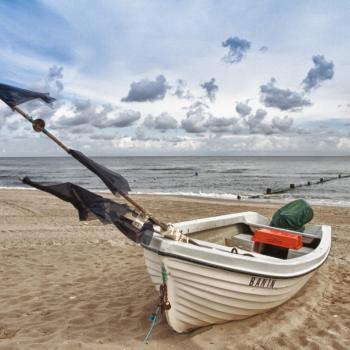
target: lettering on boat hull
262 282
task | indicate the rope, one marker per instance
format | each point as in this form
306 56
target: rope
153 318
163 305
234 250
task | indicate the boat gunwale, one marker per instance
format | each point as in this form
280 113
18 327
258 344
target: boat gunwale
306 263
317 253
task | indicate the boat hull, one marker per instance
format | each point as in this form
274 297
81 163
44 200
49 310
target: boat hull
201 295
209 283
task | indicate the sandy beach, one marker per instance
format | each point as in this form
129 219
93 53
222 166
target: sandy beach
72 285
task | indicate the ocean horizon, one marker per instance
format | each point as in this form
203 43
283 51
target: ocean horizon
204 176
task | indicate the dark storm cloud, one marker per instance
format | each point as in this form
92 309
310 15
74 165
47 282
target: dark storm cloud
323 70
237 49
283 99
162 122
211 89
147 90
243 109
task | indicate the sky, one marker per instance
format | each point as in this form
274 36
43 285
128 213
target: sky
177 78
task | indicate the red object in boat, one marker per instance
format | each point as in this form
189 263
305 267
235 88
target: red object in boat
278 238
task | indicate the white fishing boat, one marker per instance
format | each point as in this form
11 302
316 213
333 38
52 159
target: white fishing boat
228 276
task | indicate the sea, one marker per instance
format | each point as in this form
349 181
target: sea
211 177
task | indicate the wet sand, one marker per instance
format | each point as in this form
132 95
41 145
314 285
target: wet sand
66 284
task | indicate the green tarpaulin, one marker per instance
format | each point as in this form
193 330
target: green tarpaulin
293 216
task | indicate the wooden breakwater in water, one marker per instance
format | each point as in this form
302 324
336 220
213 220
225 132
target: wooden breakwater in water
322 180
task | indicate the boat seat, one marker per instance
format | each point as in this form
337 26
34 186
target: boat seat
308 235
296 253
242 241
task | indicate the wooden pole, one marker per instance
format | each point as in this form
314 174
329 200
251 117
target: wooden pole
51 136
162 225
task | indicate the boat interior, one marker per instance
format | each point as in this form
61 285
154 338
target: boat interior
240 236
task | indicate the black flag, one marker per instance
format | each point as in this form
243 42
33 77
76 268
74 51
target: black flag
91 206
14 96
115 182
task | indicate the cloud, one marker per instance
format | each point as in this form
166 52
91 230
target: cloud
256 123
283 99
79 112
336 124
228 144
263 49
283 124
211 89
220 125
162 122
147 90
2 121
103 136
196 118
237 49
122 119
55 73
51 83
323 70
180 90
255 120
84 112
165 145
81 129
54 78
74 116
199 120
347 105
15 125
5 113
243 109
